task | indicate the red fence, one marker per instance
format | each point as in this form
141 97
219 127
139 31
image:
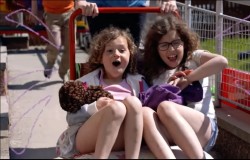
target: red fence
235 86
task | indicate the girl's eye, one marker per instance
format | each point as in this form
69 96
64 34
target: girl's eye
122 50
109 51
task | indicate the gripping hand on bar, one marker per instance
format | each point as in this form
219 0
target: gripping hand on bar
91 9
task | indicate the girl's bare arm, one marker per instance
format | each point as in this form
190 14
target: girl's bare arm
210 64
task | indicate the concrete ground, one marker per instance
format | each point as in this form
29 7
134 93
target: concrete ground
4 130
35 118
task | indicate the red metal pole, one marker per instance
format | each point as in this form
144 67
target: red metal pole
101 10
72 67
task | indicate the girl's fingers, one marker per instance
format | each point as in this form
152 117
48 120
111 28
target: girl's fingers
187 71
180 74
172 78
174 82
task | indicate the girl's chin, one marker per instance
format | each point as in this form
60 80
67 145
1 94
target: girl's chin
173 66
118 72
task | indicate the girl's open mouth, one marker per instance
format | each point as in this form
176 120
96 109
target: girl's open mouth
116 63
172 57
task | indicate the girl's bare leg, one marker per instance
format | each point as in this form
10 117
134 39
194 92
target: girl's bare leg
152 133
179 128
198 121
133 127
99 133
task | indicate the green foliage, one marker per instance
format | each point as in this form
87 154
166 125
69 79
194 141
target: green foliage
231 48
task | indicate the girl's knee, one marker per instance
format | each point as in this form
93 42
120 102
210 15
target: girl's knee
148 114
146 111
116 109
133 104
132 100
166 109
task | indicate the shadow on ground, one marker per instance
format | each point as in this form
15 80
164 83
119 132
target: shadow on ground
33 153
33 85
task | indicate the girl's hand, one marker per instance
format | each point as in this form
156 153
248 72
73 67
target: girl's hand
88 9
103 102
179 74
181 82
173 80
180 79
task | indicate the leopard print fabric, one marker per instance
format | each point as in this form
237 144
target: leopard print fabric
73 95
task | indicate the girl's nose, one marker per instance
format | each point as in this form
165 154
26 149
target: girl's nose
116 53
171 48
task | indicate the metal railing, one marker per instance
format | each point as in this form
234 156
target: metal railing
228 36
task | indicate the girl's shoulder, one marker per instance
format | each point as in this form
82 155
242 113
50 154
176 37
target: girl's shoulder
196 55
135 76
195 59
137 82
90 77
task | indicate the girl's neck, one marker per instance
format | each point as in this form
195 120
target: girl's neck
109 81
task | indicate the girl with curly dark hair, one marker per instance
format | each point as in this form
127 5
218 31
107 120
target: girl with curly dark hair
108 124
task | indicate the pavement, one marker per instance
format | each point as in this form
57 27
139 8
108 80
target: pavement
31 117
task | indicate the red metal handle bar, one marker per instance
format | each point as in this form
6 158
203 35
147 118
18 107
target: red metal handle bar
101 10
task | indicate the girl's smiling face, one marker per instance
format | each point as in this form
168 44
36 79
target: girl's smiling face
170 48
115 58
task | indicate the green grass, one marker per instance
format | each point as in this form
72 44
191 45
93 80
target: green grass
231 48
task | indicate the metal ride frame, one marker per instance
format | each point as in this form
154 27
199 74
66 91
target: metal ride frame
72 69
